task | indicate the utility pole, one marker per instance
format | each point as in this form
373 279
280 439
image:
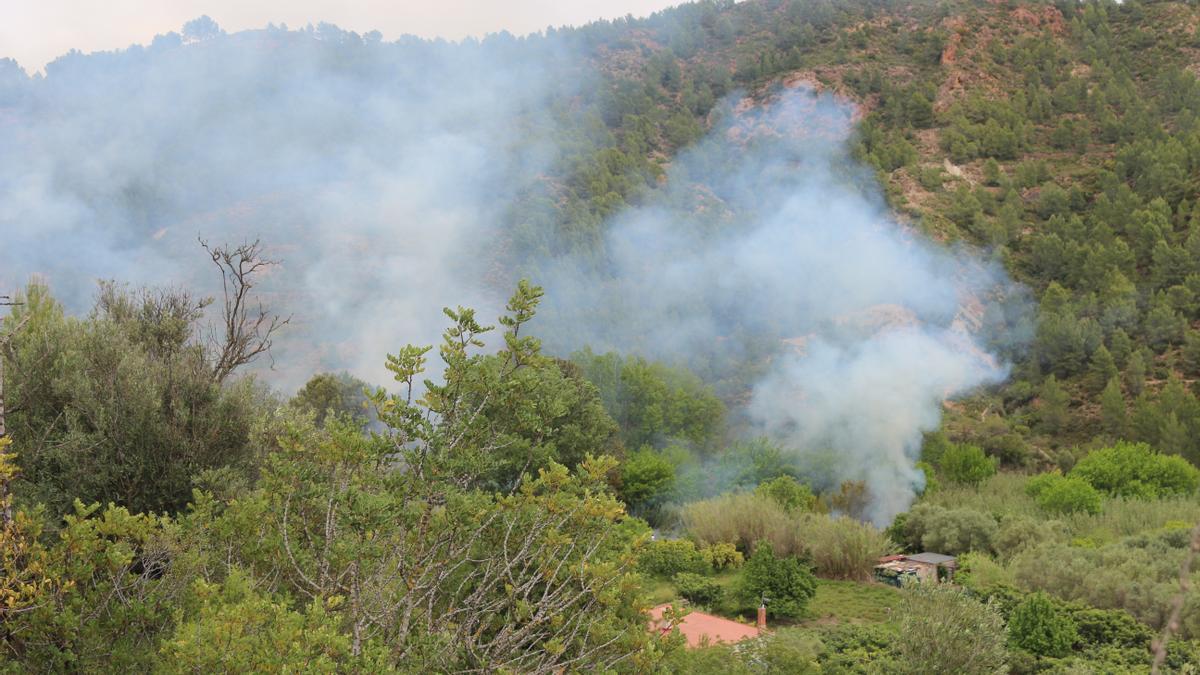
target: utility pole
6 515
6 301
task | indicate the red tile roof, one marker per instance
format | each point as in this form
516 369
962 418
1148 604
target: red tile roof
698 627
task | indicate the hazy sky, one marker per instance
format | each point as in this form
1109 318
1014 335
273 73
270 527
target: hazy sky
34 32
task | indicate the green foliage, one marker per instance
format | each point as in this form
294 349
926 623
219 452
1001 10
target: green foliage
1110 627
722 556
107 590
698 589
842 547
669 557
646 476
1059 494
788 493
950 531
123 406
234 627
1113 412
966 464
785 582
1055 401
333 394
1135 470
742 519
1136 575
980 574
944 630
653 403
1038 626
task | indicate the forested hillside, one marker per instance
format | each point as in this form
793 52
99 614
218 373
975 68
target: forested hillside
799 285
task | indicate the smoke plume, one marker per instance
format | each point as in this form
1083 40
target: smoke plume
380 174
770 244
377 173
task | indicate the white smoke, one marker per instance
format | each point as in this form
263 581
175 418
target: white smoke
378 173
382 175
771 244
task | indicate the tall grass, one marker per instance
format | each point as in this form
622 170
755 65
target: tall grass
842 548
838 548
742 519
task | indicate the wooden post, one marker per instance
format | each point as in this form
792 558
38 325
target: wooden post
5 501
6 301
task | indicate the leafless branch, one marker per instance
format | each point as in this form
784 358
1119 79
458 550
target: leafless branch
248 331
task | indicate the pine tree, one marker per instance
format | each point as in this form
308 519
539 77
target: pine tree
1103 368
1112 410
1135 373
1148 420
1055 401
1190 356
1173 438
1120 346
991 172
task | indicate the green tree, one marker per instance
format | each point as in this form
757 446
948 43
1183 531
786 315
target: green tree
785 582
336 394
967 464
991 172
1136 470
920 110
1037 626
1055 400
126 405
1135 373
1190 355
953 531
233 627
645 477
401 536
944 630
1113 414
1066 494
1103 368
653 403
788 493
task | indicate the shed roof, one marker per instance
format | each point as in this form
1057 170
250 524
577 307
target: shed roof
931 558
698 627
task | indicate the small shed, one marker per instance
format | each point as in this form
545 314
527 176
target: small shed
920 566
700 629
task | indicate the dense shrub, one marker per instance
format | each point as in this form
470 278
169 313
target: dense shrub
1056 493
668 557
966 464
842 548
645 477
722 556
950 531
1018 533
1139 580
742 519
1110 627
1038 626
785 582
981 574
944 630
1136 470
696 588
788 493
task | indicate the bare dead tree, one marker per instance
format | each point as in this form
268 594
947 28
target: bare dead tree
1185 585
248 328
